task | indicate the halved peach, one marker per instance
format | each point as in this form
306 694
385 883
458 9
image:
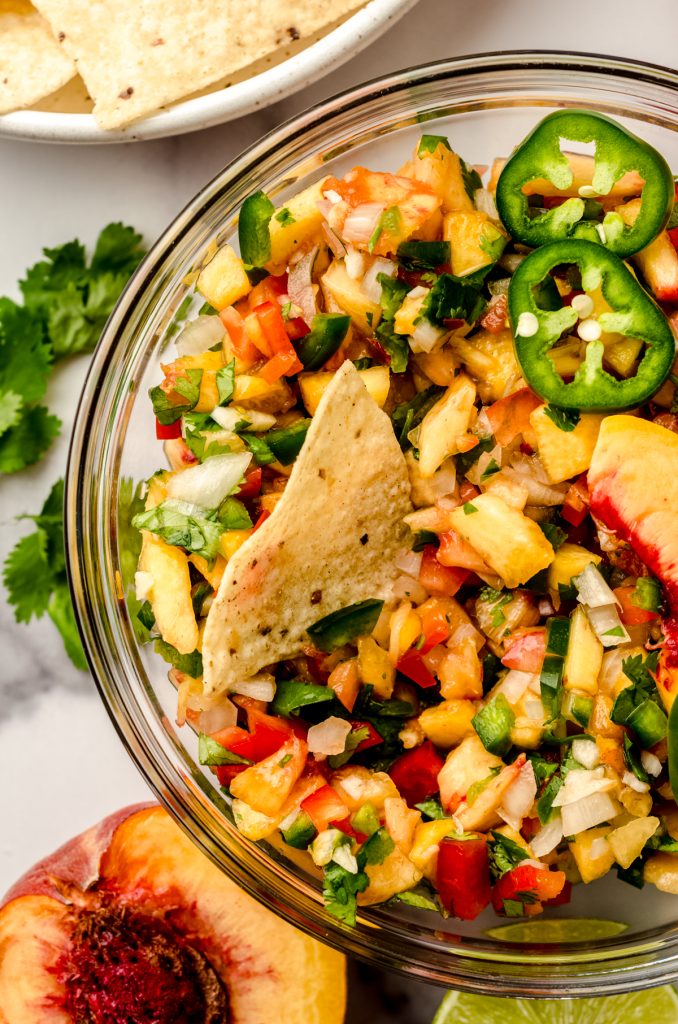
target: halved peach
130 922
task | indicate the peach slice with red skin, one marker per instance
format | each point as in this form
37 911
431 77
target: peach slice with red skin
633 487
130 922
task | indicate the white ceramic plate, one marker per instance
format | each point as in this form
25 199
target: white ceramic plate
263 83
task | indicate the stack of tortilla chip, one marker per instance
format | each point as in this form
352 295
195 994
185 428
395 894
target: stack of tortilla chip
136 56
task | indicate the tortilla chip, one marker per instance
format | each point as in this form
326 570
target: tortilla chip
330 542
32 63
136 56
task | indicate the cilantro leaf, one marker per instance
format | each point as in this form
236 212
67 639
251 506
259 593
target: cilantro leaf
27 441
184 525
504 854
10 410
564 419
340 889
35 575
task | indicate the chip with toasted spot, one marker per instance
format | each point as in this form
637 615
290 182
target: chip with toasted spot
331 541
32 62
137 56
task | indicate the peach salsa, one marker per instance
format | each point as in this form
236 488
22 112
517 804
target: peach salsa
414 562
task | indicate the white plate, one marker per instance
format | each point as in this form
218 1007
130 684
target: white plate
298 65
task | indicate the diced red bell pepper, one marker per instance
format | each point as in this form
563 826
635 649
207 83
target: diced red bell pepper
252 485
282 364
325 806
510 416
346 827
576 505
442 580
227 772
263 741
526 653
372 739
434 625
272 324
630 613
242 346
411 664
529 886
415 773
263 516
463 877
296 328
168 431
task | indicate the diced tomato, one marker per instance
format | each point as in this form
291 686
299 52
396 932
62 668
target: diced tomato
268 290
296 328
526 652
529 886
463 877
168 431
282 364
415 773
510 416
576 505
434 625
252 484
467 491
439 579
324 806
494 318
344 679
272 324
630 613
563 897
227 772
372 739
263 516
242 345
411 664
455 553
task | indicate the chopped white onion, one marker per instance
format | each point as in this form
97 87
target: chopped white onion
354 263
409 562
228 416
607 625
586 752
598 848
323 846
332 196
344 858
592 589
514 684
328 737
630 780
220 716
519 797
465 631
650 763
425 336
586 813
409 588
143 585
200 335
545 607
534 709
484 201
370 285
210 482
546 840
259 688
361 223
335 243
417 293
579 784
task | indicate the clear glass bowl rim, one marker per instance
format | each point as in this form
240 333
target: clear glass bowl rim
578 970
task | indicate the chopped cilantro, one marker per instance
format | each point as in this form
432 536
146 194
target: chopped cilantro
554 534
469 508
431 808
377 848
191 663
451 298
185 394
429 144
471 178
285 218
35 575
409 415
212 753
504 854
182 524
226 382
647 594
390 222
464 460
340 888
423 538
353 741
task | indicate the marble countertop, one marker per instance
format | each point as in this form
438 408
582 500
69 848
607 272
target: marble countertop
61 763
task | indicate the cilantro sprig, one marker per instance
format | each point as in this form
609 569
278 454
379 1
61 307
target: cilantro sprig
66 302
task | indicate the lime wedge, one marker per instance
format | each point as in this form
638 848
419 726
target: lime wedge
658 1005
558 930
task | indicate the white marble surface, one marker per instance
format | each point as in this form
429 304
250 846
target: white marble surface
61 764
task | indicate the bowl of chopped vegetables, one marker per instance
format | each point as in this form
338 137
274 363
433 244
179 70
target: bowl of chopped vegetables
371 522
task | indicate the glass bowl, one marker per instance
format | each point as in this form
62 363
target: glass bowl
485 104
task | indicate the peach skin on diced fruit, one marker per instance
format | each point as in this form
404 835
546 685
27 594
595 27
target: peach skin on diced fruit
657 262
630 456
131 922
266 785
